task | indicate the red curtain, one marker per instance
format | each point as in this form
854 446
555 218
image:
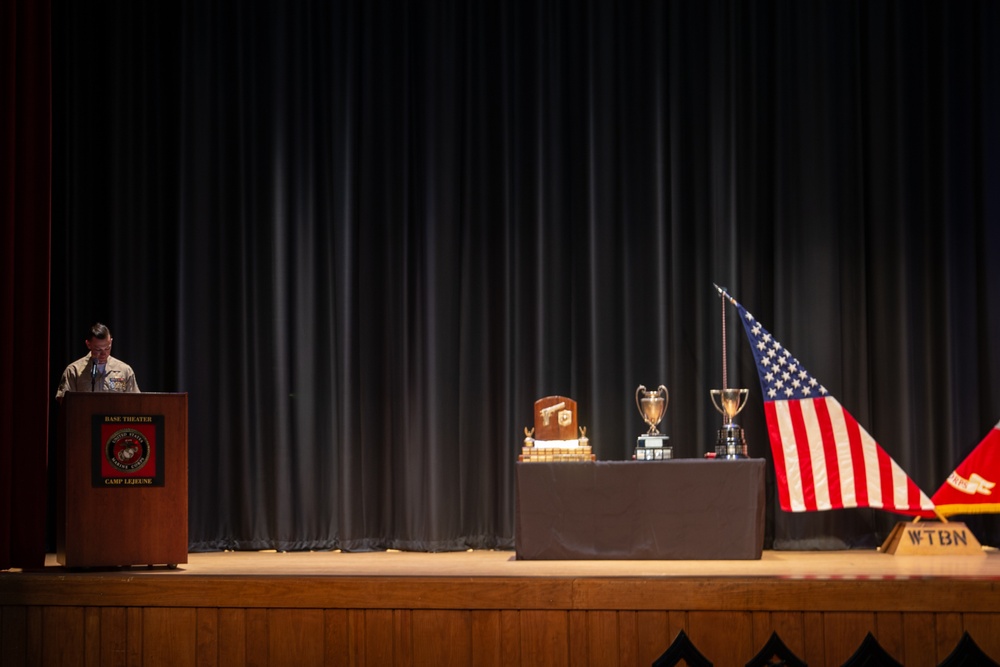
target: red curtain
25 207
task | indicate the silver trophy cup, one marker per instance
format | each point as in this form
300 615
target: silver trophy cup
731 442
652 405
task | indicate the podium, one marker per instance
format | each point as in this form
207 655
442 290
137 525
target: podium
122 480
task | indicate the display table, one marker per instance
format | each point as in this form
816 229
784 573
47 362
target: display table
684 509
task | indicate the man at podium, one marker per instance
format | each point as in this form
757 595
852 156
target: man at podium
97 371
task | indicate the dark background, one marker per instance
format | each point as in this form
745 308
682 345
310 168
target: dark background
365 237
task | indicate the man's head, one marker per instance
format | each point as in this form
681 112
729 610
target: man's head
99 343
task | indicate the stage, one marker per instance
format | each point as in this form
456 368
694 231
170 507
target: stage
488 608
854 564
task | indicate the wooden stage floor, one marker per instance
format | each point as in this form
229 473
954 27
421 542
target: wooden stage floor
848 564
487 608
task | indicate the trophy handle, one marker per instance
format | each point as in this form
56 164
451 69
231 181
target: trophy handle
638 390
666 397
744 395
715 393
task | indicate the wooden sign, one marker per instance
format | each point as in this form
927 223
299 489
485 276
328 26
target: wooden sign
932 538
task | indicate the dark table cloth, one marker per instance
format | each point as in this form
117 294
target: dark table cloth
683 509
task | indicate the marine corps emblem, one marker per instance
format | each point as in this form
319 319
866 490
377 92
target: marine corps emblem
127 450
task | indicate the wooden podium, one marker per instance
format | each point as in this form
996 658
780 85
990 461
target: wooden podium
122 480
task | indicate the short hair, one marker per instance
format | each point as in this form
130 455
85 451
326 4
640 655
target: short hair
99 331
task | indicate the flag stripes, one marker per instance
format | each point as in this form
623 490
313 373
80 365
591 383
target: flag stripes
815 473
823 459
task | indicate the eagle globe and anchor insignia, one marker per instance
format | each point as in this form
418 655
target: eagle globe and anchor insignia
127 450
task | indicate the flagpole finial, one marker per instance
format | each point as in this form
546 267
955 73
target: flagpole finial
724 293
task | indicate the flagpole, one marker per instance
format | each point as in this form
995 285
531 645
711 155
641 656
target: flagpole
722 299
725 381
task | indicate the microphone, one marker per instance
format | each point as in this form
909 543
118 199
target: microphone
93 375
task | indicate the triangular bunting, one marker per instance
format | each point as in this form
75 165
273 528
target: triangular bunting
871 654
682 650
968 654
775 653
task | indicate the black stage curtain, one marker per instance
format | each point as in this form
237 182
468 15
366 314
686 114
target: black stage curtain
366 236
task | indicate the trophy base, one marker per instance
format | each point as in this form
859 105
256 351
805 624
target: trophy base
653 448
731 444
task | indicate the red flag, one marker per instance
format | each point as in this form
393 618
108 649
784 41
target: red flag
823 459
969 489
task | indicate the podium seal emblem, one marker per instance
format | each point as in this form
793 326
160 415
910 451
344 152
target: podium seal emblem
127 450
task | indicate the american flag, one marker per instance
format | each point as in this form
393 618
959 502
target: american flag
823 458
